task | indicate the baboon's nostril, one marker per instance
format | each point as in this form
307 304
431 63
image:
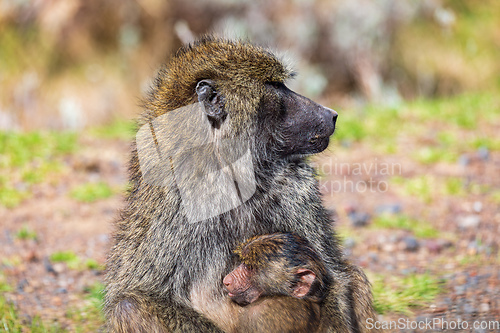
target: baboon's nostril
335 115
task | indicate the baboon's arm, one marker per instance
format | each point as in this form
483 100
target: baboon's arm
137 315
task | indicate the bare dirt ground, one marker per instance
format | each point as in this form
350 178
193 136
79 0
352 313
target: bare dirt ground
463 254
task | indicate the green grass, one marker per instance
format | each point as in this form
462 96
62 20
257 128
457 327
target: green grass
431 155
89 318
376 123
419 228
380 126
91 192
26 233
491 143
27 158
11 197
495 197
402 295
19 149
92 264
10 321
421 187
118 129
73 261
95 293
454 186
69 257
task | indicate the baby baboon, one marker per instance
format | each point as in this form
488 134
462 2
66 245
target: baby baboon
219 157
280 281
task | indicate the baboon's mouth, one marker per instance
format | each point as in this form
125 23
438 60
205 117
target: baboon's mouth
319 138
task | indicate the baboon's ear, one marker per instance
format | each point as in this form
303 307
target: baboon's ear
212 101
306 279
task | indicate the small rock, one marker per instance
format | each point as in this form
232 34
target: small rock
103 238
460 290
389 247
388 209
48 266
21 285
477 206
463 160
61 291
350 208
359 219
411 243
59 267
349 243
31 256
444 243
461 279
472 248
346 143
433 246
469 309
8 236
393 239
373 256
483 153
423 319
484 307
57 301
468 221
408 271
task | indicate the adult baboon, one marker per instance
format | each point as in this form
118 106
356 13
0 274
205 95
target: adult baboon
219 157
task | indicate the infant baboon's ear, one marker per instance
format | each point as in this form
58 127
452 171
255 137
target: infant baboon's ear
306 279
212 102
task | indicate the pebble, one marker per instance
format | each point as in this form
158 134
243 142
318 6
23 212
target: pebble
460 290
48 266
359 219
483 153
477 206
474 248
346 143
388 209
433 246
59 267
469 309
408 271
61 291
57 301
463 160
468 221
373 256
411 243
388 247
21 285
349 243
484 307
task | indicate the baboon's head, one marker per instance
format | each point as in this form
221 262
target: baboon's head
277 264
242 88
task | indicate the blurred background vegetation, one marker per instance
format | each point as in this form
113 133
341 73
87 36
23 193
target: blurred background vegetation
74 63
